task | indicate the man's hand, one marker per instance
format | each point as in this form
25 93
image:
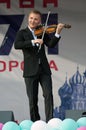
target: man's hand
60 26
38 41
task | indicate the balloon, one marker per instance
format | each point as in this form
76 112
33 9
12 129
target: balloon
24 129
26 124
1 125
68 124
50 127
39 125
82 128
81 121
10 125
55 123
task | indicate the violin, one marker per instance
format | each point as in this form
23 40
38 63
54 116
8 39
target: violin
49 29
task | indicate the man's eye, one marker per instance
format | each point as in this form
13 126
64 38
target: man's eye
31 18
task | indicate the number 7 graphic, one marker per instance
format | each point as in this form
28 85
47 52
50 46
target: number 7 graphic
14 22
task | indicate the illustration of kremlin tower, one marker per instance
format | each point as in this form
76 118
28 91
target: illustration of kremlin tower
73 96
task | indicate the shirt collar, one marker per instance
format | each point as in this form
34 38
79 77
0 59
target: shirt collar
32 30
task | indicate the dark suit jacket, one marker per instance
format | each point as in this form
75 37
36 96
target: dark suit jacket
31 54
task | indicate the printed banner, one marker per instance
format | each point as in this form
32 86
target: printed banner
13 16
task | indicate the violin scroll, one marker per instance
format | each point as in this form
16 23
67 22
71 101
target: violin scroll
67 26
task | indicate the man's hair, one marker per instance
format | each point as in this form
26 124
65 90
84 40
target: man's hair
35 12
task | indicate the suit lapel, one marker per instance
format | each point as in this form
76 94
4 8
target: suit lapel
29 33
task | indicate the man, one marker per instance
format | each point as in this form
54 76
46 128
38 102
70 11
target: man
36 67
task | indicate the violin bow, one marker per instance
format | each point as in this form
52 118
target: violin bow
45 27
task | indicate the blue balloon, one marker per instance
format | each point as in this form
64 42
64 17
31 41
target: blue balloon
26 124
81 121
68 124
10 125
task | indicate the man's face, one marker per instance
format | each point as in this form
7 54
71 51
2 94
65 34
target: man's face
34 20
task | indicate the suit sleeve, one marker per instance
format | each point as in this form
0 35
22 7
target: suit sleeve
21 42
51 42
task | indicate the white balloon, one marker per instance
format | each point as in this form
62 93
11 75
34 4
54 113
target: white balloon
39 125
55 123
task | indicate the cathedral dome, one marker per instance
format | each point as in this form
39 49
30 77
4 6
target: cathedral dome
84 82
85 74
77 78
65 89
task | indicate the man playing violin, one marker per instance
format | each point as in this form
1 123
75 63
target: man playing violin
36 67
